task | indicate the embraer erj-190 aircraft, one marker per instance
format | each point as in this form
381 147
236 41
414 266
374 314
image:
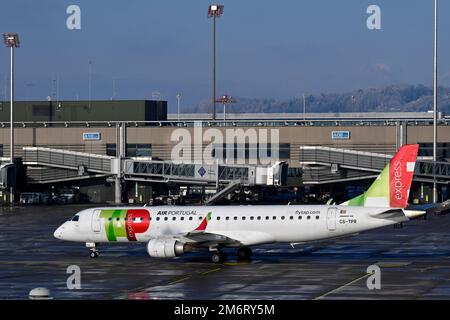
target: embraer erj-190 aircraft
170 231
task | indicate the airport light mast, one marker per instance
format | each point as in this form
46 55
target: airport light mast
304 107
178 105
214 11
11 41
435 97
225 99
353 104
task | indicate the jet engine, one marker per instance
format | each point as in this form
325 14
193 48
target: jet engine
165 248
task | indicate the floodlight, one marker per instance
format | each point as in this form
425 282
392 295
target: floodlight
215 10
11 40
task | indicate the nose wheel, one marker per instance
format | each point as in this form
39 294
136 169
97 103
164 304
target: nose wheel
244 253
93 250
93 254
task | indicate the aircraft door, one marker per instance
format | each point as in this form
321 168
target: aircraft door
96 224
331 219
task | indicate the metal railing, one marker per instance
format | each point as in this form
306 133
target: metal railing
266 122
223 193
431 169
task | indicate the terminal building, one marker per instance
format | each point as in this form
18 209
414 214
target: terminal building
122 150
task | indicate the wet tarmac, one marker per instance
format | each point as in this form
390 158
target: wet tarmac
414 262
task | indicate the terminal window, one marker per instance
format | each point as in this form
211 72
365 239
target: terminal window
246 151
139 150
1 150
133 150
111 149
443 150
294 172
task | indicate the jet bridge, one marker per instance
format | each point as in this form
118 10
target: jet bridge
212 174
151 170
66 159
328 165
47 165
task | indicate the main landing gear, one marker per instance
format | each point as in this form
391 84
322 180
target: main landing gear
218 257
244 253
93 251
398 225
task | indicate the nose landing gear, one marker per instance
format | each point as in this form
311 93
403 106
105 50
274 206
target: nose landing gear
93 251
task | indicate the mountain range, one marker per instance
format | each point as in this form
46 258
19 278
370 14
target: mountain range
393 98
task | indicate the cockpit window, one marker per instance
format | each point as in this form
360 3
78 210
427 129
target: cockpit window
75 218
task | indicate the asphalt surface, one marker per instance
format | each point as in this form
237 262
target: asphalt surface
414 263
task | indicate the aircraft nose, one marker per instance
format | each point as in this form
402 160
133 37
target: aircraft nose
58 234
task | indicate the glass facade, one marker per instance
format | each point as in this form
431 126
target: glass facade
247 151
443 150
139 150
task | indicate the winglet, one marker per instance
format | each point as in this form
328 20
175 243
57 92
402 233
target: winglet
204 223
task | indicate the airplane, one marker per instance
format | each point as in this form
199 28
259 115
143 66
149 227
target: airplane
170 231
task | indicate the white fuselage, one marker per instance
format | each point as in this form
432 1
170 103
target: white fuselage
248 225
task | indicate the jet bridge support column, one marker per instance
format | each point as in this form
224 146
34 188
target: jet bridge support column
401 137
120 154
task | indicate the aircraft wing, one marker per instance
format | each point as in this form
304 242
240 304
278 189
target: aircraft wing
203 237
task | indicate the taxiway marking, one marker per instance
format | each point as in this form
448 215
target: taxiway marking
343 286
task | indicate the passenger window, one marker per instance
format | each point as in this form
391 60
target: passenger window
317 217
291 217
227 218
117 219
235 218
251 218
299 217
109 219
190 218
174 218
259 218
282 217
182 218
218 218
274 217
243 218
157 219
309 217
165 218
267 217
200 218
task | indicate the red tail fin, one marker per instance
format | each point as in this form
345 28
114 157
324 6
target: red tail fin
401 171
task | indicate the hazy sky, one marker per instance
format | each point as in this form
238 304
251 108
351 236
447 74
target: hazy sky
265 48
